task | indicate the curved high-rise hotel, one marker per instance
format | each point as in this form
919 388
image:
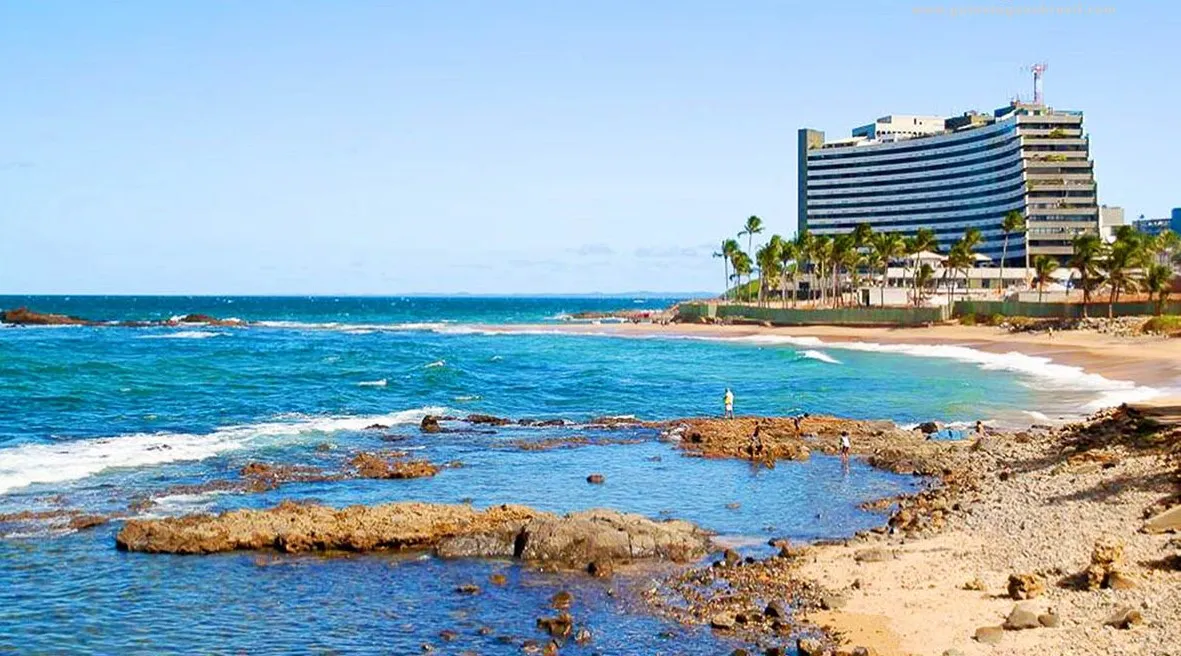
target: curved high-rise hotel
902 173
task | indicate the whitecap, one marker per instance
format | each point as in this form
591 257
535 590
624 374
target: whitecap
468 397
24 465
436 363
372 383
820 355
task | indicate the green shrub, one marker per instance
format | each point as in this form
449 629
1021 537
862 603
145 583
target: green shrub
968 320
1168 324
996 319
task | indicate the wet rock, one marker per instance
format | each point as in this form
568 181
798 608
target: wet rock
376 427
595 479
551 649
23 316
1026 586
582 636
722 622
430 424
468 589
989 635
485 545
600 568
1020 618
1124 618
559 627
488 420
731 557
598 535
928 427
447 635
497 579
775 610
83 522
372 465
810 647
207 320
561 600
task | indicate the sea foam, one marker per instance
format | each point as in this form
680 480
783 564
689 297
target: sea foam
820 355
27 464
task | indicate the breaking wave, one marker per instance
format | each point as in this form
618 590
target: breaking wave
67 461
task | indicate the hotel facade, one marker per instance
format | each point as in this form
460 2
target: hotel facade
903 173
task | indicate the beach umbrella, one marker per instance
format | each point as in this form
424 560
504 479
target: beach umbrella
981 257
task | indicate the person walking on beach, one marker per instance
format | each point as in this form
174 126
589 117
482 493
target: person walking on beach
845 446
728 403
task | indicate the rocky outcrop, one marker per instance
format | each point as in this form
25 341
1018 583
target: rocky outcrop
23 316
572 541
1026 586
204 319
375 465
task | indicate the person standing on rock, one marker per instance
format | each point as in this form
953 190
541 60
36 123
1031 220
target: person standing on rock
728 403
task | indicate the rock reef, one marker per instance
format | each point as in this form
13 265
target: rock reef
573 541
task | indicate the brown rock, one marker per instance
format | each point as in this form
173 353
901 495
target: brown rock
559 627
1117 580
25 317
874 555
1165 522
497 579
595 479
1124 618
430 424
82 522
810 647
989 635
600 568
1021 617
561 600
1049 620
1026 586
371 465
487 420
468 589
722 622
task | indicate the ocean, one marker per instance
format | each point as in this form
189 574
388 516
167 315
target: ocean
93 418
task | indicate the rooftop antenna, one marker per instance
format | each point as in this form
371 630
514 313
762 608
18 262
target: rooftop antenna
1037 70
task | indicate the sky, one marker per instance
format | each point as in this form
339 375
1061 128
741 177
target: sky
398 147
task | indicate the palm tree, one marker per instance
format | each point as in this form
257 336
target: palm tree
741 264
1043 268
922 241
967 259
1014 222
805 248
767 258
1086 257
958 259
822 249
1158 282
726 252
1166 246
1123 258
923 276
885 246
789 256
862 234
844 253
754 225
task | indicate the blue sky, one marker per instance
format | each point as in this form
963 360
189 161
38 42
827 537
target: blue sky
435 147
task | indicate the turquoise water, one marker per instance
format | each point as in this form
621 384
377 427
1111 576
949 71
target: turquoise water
91 418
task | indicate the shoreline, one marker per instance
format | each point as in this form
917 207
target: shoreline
1146 361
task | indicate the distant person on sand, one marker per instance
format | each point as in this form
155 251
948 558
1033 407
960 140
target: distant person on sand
979 427
845 446
1051 331
728 403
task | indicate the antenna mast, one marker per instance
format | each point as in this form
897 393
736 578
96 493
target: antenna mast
1037 70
